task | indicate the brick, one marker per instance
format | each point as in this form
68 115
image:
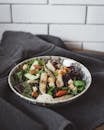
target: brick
95 15
5 13
48 14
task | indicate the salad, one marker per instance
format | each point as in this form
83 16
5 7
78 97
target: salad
48 79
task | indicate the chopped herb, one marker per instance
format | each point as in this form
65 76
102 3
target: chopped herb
41 62
80 84
40 72
50 90
19 76
74 92
30 63
55 73
27 90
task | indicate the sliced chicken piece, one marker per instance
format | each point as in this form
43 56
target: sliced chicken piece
70 82
59 81
63 70
30 81
43 82
25 66
48 71
51 81
71 85
50 66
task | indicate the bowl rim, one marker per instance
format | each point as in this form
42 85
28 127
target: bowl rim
34 101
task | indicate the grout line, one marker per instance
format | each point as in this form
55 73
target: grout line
5 22
48 29
24 3
82 46
90 24
52 4
96 5
97 24
67 4
46 23
48 2
28 23
78 4
11 13
5 3
83 24
22 23
29 4
86 14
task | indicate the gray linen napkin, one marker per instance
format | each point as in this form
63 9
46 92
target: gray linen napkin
17 114
86 112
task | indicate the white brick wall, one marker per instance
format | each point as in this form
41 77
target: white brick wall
80 23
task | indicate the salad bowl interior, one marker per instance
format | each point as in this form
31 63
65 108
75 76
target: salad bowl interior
49 80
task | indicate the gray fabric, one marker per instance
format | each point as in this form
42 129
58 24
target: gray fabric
20 115
86 112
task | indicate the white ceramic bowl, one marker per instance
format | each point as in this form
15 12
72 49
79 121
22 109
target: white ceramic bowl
65 61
